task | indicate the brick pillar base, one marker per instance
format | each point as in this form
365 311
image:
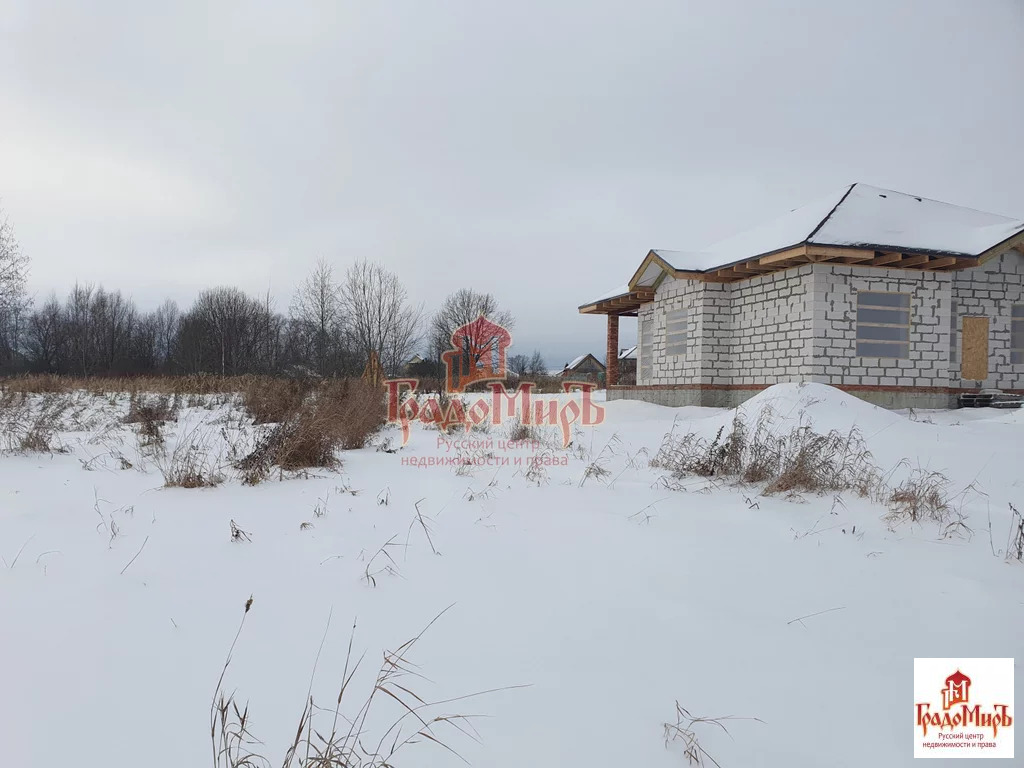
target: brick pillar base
612 352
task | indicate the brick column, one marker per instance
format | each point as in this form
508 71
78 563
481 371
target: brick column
612 352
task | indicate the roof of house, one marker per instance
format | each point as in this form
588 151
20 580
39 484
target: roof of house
577 360
617 291
628 354
861 216
856 216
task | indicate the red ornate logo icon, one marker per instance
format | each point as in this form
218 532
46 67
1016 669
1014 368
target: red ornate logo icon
957 690
479 353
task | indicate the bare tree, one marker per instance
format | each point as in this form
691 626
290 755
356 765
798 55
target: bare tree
14 301
13 268
461 308
269 329
518 365
523 367
47 337
227 316
317 308
78 320
536 365
379 315
166 321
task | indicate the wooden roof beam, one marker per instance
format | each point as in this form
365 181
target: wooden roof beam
914 261
741 269
799 252
722 276
949 261
887 258
847 255
686 274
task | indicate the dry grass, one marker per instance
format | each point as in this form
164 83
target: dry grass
442 401
312 420
683 731
802 461
151 412
1015 541
924 495
518 432
30 425
333 416
105 385
271 401
347 740
194 461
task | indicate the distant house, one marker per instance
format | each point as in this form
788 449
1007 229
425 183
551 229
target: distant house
627 365
422 368
900 300
584 368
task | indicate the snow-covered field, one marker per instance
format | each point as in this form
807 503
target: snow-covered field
593 601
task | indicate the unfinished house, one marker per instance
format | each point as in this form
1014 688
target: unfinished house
900 300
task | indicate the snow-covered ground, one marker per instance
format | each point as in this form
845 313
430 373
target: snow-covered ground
608 597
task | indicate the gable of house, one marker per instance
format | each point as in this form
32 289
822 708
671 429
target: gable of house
584 364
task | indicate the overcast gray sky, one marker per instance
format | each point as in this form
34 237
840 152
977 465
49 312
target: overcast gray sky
535 150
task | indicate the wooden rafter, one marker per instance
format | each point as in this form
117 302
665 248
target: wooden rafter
913 261
850 255
790 254
627 304
649 259
887 258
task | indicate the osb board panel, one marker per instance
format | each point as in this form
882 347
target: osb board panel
974 365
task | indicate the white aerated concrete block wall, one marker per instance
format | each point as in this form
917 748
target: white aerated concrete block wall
835 327
685 368
990 291
751 333
770 333
801 325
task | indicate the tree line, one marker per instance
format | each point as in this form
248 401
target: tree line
333 325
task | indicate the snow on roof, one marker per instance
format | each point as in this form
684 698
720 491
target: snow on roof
576 361
628 354
895 221
621 290
783 232
860 215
